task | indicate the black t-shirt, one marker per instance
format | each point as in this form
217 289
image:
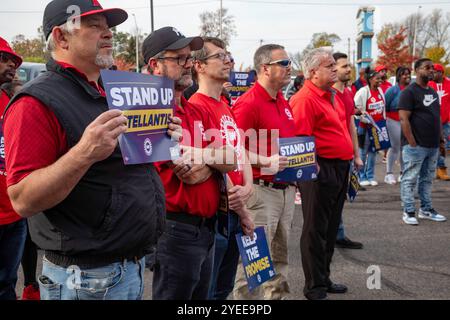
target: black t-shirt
425 115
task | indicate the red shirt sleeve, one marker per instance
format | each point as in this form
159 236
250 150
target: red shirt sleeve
34 138
303 116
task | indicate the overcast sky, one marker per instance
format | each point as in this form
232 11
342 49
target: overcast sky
287 22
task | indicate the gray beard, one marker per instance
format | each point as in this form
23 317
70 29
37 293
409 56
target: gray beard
104 61
184 83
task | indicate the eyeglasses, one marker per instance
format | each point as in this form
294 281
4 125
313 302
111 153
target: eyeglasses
221 56
285 63
6 57
181 60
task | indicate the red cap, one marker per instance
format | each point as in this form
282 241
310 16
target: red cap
4 47
439 67
380 68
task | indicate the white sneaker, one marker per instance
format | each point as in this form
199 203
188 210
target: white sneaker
410 218
373 183
431 215
399 180
390 179
364 183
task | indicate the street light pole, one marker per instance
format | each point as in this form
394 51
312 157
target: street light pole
137 44
415 36
151 16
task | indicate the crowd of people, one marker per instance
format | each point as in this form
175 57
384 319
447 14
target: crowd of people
65 189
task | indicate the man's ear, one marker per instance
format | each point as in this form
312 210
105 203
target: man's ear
198 66
60 38
152 65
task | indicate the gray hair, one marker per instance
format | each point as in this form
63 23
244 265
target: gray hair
50 44
157 57
264 55
314 58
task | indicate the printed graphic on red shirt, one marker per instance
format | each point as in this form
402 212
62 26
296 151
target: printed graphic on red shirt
375 106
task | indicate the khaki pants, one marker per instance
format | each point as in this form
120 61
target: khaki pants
274 210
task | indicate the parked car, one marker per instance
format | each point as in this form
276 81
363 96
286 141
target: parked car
30 70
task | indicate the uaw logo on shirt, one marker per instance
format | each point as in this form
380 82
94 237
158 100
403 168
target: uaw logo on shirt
230 133
2 151
289 114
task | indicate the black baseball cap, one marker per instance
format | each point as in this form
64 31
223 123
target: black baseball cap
168 38
58 12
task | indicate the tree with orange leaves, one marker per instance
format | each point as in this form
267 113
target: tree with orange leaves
395 51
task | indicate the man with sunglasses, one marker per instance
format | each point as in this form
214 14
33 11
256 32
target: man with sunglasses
320 113
182 262
264 110
13 229
212 69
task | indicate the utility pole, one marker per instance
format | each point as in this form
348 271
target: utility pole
137 44
261 42
151 16
220 19
415 36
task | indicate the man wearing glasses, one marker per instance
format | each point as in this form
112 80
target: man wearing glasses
212 69
183 260
264 109
13 229
320 113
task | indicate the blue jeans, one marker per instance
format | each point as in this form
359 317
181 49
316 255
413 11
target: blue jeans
117 281
441 160
420 167
12 241
369 158
226 259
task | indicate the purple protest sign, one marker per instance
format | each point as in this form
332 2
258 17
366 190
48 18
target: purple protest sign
148 102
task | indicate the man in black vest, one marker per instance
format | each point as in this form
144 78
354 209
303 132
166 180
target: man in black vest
99 217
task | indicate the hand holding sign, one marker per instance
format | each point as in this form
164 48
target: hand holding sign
175 130
100 138
247 224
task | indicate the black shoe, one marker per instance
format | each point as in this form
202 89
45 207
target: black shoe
316 296
337 288
346 243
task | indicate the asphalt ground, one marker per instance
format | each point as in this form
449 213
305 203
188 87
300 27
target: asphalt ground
413 261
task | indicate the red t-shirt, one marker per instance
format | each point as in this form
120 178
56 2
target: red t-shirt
218 115
7 213
385 86
320 114
32 124
256 110
375 107
347 99
443 90
199 199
